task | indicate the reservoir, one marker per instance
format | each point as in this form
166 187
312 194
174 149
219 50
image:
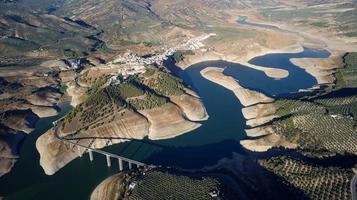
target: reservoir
217 138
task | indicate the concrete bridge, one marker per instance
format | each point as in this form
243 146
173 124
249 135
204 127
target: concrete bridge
90 150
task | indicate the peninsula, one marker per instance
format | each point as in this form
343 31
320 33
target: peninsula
159 99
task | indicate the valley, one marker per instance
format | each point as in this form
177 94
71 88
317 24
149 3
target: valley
223 99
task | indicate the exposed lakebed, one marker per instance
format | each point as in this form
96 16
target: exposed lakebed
217 138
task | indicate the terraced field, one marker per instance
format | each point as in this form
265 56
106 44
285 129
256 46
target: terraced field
320 124
151 186
316 182
333 15
104 101
349 72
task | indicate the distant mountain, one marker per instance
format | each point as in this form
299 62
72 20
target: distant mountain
133 22
23 30
151 22
127 23
123 21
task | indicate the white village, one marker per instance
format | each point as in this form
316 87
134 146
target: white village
130 64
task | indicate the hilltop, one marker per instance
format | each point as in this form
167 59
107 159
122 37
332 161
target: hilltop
34 47
106 58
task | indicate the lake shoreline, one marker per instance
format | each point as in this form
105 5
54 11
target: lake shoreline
202 128
255 104
244 60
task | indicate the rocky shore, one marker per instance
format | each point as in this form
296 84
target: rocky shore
322 69
191 106
247 49
258 110
7 159
246 97
212 56
18 120
167 121
111 188
314 37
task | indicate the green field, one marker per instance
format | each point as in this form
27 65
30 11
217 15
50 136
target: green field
343 15
166 84
291 14
316 182
321 24
103 101
322 124
348 74
151 186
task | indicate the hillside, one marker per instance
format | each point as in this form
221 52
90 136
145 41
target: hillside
153 104
316 182
336 16
149 184
124 23
32 46
107 59
150 23
321 125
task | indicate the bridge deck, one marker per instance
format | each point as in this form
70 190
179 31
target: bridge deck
55 129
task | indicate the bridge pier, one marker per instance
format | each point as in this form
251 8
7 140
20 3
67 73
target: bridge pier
108 160
81 149
120 164
90 155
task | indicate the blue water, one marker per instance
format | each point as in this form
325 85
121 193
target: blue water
297 79
266 26
217 138
244 21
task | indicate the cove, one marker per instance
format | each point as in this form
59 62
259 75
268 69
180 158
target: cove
217 138
244 21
